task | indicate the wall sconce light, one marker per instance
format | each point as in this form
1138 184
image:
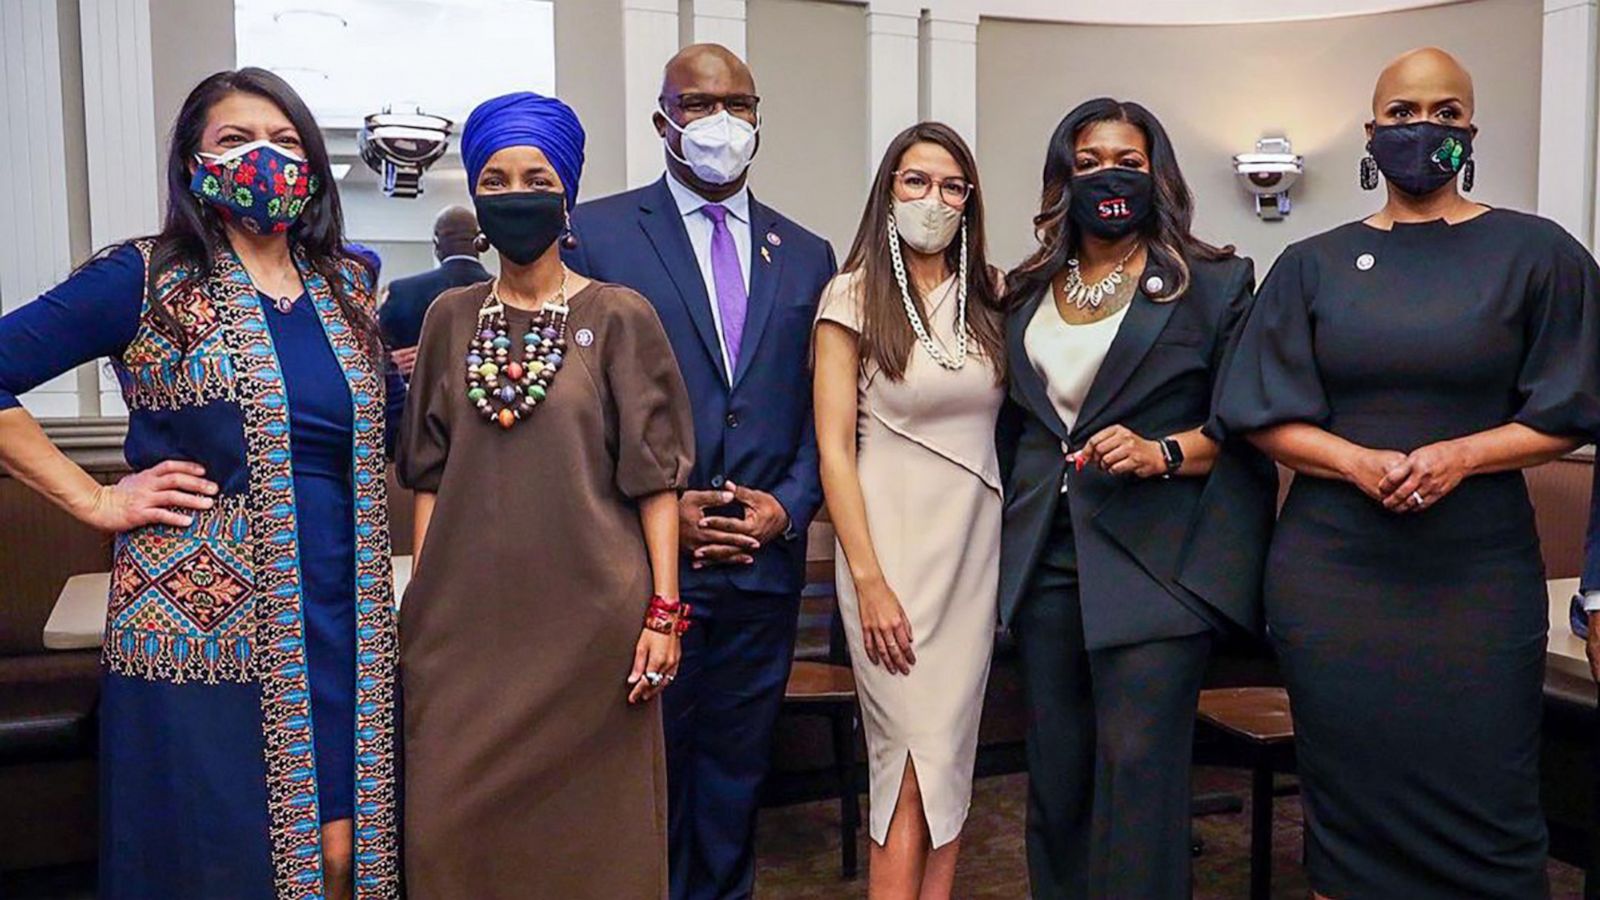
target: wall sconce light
400 146
1268 173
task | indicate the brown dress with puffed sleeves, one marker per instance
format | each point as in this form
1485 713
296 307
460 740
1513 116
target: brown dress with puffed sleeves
527 772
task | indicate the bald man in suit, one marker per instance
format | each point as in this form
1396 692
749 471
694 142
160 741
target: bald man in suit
406 301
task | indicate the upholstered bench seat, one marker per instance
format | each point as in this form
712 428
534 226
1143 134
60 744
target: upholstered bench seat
47 707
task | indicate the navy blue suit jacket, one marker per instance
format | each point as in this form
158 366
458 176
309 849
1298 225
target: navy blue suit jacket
400 317
1590 580
759 431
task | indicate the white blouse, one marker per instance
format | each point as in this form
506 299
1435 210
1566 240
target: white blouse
1067 356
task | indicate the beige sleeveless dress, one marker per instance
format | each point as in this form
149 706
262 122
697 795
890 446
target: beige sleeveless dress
926 459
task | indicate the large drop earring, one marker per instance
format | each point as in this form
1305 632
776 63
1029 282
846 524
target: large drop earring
1369 173
1467 175
481 243
569 241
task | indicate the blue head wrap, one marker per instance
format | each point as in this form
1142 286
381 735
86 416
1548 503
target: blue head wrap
525 119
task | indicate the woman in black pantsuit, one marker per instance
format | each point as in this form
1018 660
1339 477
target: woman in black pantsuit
1130 536
1407 367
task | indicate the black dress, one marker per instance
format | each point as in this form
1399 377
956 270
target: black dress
1413 645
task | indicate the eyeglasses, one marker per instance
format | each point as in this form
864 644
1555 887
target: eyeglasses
696 106
916 184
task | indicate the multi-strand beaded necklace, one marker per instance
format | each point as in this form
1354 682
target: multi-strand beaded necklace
505 390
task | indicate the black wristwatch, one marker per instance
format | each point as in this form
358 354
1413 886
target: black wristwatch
1172 452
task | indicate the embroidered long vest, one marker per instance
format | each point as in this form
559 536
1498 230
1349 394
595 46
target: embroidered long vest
220 601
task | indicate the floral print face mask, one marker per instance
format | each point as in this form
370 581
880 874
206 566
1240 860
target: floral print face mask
258 186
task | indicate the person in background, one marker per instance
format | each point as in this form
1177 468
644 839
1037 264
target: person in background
736 285
546 439
367 255
1407 367
909 381
456 246
247 734
1133 535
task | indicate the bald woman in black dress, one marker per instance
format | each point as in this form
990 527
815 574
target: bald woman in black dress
1407 367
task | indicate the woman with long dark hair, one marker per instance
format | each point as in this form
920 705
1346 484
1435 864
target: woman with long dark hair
909 380
1132 536
1407 367
246 718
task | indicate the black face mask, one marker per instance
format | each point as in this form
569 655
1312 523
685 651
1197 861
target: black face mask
1420 157
523 224
1112 202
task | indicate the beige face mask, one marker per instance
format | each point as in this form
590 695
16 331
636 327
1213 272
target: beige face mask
927 225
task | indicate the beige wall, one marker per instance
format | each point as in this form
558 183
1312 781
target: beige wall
1219 88
589 79
810 62
189 39
1310 80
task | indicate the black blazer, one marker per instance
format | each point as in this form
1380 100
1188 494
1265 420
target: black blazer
400 317
1147 548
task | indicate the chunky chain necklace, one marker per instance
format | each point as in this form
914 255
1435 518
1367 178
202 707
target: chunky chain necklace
506 390
928 343
1090 296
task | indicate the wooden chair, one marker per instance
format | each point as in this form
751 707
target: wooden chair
827 688
1256 729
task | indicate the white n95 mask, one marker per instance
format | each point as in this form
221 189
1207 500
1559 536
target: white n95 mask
716 148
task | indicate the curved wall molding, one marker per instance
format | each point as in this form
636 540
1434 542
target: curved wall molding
1173 12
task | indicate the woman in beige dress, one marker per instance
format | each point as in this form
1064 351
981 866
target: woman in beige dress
908 386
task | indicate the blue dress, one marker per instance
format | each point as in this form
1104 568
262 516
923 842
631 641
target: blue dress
183 777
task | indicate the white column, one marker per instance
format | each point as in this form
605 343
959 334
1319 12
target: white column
35 248
119 119
721 22
1567 136
649 39
1594 245
120 134
950 68
892 69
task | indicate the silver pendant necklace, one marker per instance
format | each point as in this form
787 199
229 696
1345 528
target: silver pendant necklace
1090 296
284 304
946 360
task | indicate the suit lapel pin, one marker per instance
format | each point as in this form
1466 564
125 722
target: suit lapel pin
584 337
773 239
765 256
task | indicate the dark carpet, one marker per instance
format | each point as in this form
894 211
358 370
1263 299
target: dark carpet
798 851
798 848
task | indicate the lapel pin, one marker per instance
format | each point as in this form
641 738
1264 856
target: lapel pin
765 256
1154 284
773 239
584 337
1366 261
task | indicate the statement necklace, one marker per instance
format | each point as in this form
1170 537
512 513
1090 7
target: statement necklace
1090 296
506 390
928 343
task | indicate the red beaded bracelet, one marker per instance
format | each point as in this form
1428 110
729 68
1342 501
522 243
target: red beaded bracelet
667 616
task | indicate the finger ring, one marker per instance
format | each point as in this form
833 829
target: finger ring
652 678
1417 498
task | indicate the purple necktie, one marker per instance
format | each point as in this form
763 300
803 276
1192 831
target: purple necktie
728 275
